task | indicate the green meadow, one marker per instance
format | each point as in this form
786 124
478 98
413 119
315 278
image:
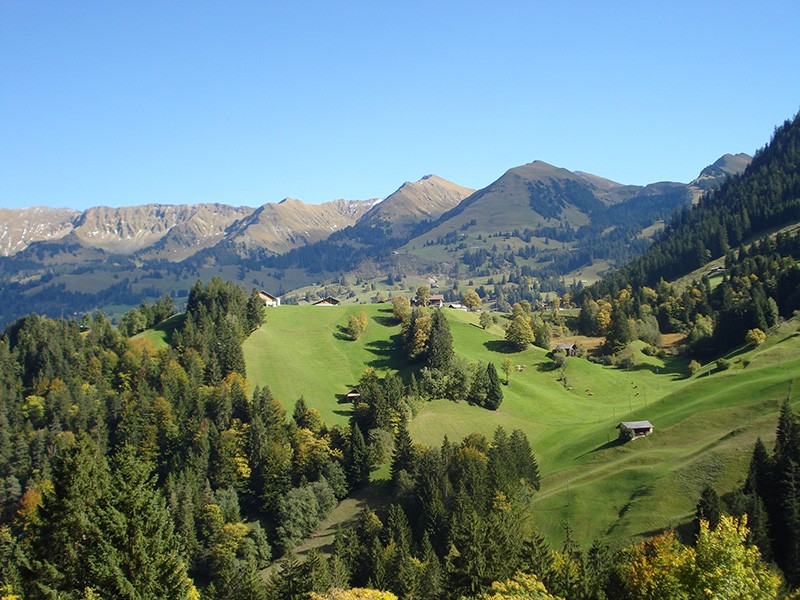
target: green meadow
705 425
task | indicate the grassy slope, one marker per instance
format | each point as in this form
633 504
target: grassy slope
705 425
303 350
161 333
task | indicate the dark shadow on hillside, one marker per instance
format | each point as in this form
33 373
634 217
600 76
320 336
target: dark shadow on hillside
386 310
675 371
501 346
387 352
343 413
607 446
385 321
342 334
547 367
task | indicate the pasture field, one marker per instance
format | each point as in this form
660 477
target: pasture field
305 351
705 425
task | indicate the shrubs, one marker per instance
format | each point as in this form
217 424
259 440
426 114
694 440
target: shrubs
694 367
755 337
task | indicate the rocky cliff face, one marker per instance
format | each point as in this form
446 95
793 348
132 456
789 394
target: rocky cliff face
20 227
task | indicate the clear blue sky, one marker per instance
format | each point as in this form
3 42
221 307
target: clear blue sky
117 103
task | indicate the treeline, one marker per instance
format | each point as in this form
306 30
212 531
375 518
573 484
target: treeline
146 316
426 339
765 196
127 471
759 284
771 497
458 527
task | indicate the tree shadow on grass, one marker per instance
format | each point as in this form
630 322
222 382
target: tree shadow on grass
385 321
547 366
388 354
677 371
616 442
501 346
343 413
341 333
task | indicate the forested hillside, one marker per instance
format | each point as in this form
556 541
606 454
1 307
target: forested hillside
766 196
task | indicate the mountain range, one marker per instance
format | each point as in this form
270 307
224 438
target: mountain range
537 215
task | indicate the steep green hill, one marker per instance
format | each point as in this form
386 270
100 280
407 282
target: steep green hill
705 425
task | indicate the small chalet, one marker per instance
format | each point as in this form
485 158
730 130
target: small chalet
630 430
268 299
568 349
436 300
353 395
327 301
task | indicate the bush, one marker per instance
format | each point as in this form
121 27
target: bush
626 362
755 337
723 364
694 367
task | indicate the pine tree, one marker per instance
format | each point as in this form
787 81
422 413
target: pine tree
524 461
403 455
440 342
709 508
758 524
494 393
141 529
358 460
619 335
69 551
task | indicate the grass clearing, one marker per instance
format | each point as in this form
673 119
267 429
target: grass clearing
705 425
305 351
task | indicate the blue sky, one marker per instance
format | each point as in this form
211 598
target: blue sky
119 103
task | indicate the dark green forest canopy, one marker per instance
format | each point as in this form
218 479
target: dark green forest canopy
765 196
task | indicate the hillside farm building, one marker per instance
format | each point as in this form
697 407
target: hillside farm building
327 301
268 299
568 349
630 430
436 300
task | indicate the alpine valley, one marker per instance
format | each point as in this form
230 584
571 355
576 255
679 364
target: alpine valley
536 220
557 386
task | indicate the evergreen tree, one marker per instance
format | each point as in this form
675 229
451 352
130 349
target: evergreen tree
709 508
494 393
403 455
440 342
140 528
69 550
525 464
619 335
358 460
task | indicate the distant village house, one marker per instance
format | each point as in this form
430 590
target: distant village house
436 300
268 299
327 301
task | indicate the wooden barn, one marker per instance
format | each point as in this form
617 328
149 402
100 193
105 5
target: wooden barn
327 301
630 430
268 299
